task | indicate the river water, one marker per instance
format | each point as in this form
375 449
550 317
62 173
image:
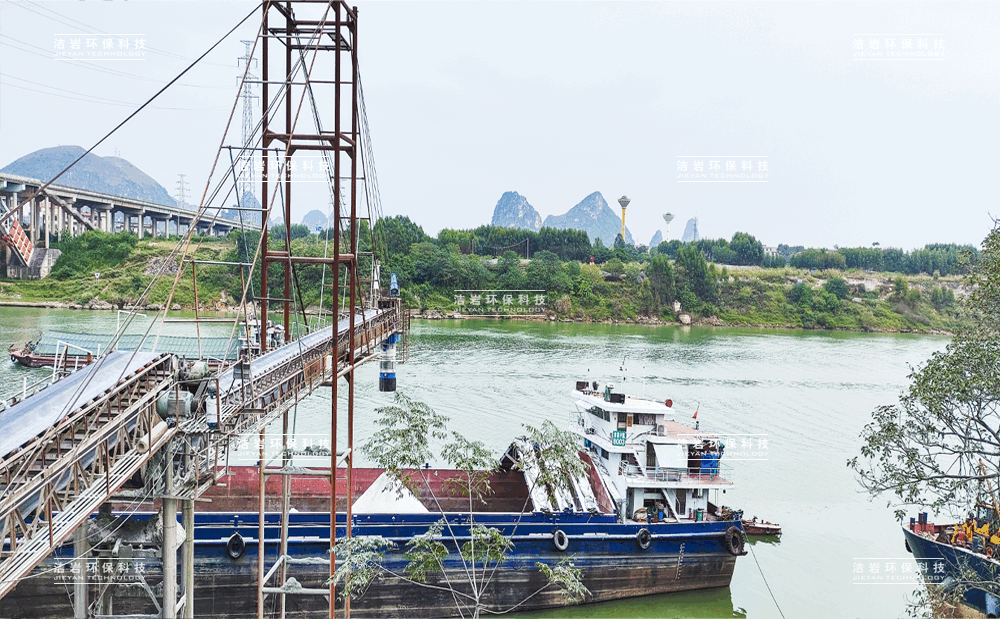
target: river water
791 403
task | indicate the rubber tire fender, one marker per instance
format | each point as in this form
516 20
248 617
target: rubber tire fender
560 540
643 538
235 547
907 543
734 541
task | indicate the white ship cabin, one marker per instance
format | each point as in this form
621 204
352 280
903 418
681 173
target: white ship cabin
656 469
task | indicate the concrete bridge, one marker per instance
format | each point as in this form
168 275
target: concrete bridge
62 210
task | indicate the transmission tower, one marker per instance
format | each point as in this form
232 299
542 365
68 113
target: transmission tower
181 200
246 171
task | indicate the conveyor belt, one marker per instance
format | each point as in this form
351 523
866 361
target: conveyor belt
264 363
180 345
36 413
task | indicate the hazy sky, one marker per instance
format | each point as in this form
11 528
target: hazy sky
557 100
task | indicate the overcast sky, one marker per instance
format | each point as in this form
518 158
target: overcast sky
557 100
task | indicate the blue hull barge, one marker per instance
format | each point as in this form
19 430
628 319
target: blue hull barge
949 559
640 522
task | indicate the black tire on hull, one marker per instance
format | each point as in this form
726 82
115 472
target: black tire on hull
235 547
643 538
734 541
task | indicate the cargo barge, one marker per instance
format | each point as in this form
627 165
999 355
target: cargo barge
640 522
960 557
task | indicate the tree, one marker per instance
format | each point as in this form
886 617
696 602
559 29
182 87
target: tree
941 442
695 275
401 446
546 272
511 276
837 287
661 279
395 235
748 249
614 266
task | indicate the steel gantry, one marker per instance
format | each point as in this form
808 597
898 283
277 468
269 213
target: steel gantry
312 36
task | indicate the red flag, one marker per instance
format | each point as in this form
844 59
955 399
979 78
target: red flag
695 415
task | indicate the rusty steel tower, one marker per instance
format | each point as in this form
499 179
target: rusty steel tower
301 39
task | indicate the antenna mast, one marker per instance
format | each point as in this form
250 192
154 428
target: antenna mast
246 175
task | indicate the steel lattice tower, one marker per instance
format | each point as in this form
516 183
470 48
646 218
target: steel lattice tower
246 170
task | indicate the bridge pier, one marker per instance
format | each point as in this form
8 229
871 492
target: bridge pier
103 215
33 217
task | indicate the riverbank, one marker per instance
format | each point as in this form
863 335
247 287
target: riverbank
632 293
652 321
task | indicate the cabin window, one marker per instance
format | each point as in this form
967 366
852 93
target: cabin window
644 419
600 413
605 454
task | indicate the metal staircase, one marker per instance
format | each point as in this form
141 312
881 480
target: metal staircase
13 235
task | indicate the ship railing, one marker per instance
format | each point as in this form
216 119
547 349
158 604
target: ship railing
716 472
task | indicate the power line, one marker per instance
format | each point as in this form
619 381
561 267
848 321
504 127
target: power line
96 99
136 112
87 65
75 22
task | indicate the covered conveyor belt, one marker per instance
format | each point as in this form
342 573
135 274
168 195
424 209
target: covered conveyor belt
25 420
223 348
67 449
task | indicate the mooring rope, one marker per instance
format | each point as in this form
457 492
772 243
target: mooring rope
750 546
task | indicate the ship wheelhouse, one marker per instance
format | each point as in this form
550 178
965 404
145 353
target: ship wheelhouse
656 468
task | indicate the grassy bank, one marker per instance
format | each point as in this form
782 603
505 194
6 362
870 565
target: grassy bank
786 298
657 290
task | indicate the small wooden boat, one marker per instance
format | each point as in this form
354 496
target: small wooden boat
753 526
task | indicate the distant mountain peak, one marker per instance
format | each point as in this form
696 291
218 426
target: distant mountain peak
594 216
111 175
314 219
513 211
691 231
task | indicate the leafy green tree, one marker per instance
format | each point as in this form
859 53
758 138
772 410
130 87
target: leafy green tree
899 289
940 445
511 275
614 266
942 298
395 235
545 272
400 446
661 279
647 304
601 253
817 259
800 294
695 276
277 233
837 287
669 248
747 248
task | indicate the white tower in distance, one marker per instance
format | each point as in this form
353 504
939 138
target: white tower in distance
667 217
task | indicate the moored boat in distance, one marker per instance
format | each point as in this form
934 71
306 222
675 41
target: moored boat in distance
640 521
761 528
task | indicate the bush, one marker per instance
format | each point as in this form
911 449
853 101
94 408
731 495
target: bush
837 287
92 252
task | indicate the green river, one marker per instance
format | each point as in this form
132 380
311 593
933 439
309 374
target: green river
792 402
